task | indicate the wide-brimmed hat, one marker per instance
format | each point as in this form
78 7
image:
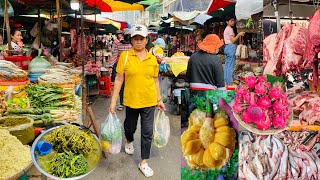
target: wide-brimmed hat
211 43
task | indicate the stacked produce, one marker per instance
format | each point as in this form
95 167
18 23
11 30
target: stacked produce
74 152
11 72
258 103
208 143
14 156
3 104
289 155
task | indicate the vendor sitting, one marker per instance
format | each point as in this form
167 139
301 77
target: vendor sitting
205 70
16 42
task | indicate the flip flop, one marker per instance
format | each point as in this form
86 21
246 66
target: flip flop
128 148
146 170
120 108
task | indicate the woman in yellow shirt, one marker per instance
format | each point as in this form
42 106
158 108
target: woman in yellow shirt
141 93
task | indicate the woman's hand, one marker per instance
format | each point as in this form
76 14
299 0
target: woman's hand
112 108
161 106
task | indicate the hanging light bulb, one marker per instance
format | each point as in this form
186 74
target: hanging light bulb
75 5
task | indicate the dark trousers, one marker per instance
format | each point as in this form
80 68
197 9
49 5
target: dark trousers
130 126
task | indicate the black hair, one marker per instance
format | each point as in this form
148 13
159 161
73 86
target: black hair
13 30
228 18
126 39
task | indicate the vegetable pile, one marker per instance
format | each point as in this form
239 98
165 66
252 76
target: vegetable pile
17 103
259 103
70 138
208 143
44 95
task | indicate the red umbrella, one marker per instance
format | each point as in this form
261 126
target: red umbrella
217 4
104 7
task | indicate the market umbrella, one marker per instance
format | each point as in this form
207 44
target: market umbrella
149 2
104 7
108 28
217 4
10 9
219 15
112 5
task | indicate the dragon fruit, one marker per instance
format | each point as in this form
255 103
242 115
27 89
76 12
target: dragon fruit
245 117
238 108
241 91
275 93
286 113
264 125
268 85
247 98
279 122
256 114
262 79
251 81
237 99
264 102
260 89
278 107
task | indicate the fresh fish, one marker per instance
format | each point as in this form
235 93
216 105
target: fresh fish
274 170
248 172
259 166
284 163
313 166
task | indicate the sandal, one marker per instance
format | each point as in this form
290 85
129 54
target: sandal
120 108
146 170
128 148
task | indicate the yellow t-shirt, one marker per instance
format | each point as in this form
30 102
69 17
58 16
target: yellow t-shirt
140 90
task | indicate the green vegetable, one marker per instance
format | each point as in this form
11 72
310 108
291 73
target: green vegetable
249 23
27 111
45 95
71 138
17 103
66 164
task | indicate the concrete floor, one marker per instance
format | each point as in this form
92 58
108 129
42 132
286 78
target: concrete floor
165 161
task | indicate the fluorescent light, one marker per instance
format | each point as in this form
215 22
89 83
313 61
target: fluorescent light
75 5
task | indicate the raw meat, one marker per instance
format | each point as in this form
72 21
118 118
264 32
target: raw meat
313 47
73 37
293 49
268 51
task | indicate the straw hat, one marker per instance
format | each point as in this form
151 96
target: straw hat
211 43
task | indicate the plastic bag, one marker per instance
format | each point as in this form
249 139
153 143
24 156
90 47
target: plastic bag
245 8
39 65
10 9
161 133
111 134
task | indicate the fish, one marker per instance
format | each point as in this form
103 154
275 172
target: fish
284 163
258 166
248 172
274 170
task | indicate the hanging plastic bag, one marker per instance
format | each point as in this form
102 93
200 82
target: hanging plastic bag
161 133
245 8
111 135
10 9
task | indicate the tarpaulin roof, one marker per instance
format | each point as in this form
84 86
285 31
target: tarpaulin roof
217 4
112 5
189 5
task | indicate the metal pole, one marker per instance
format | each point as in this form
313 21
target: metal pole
39 27
59 29
95 31
275 4
84 96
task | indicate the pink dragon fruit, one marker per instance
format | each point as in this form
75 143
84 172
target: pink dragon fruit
264 125
237 99
278 107
238 108
284 98
251 81
279 122
241 91
264 102
260 89
262 79
256 114
247 98
268 85
275 93
245 117
286 113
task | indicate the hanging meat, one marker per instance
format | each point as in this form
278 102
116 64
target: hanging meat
313 47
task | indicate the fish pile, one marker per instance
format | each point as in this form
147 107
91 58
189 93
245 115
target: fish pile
270 157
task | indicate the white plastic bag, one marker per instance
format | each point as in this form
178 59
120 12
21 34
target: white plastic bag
161 133
111 134
245 8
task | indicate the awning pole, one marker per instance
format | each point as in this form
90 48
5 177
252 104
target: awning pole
59 29
95 31
6 15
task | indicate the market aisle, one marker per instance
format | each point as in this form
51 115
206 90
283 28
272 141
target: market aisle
165 161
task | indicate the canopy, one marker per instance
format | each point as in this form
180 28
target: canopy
189 5
112 5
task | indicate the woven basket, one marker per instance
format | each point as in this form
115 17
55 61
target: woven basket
251 127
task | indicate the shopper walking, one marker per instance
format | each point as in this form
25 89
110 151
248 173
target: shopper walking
157 50
141 93
230 50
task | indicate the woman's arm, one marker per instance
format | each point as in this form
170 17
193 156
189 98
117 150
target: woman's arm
235 39
116 89
161 105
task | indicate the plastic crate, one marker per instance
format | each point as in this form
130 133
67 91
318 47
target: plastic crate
21 61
